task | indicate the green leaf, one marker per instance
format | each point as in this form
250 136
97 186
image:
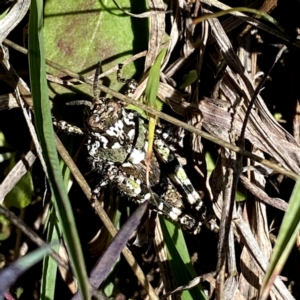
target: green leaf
210 166
45 132
3 15
210 163
21 194
3 143
4 228
286 239
189 78
239 196
78 34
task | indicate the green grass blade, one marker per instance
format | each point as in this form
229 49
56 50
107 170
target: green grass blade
286 239
153 81
180 259
46 136
54 234
49 264
151 99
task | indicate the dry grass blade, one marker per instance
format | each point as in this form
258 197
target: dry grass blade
256 253
262 196
255 23
13 18
157 29
141 15
15 174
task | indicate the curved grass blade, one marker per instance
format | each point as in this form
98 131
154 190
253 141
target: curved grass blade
9 275
43 120
112 253
258 14
286 239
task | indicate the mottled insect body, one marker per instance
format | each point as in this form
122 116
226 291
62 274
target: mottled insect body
116 147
